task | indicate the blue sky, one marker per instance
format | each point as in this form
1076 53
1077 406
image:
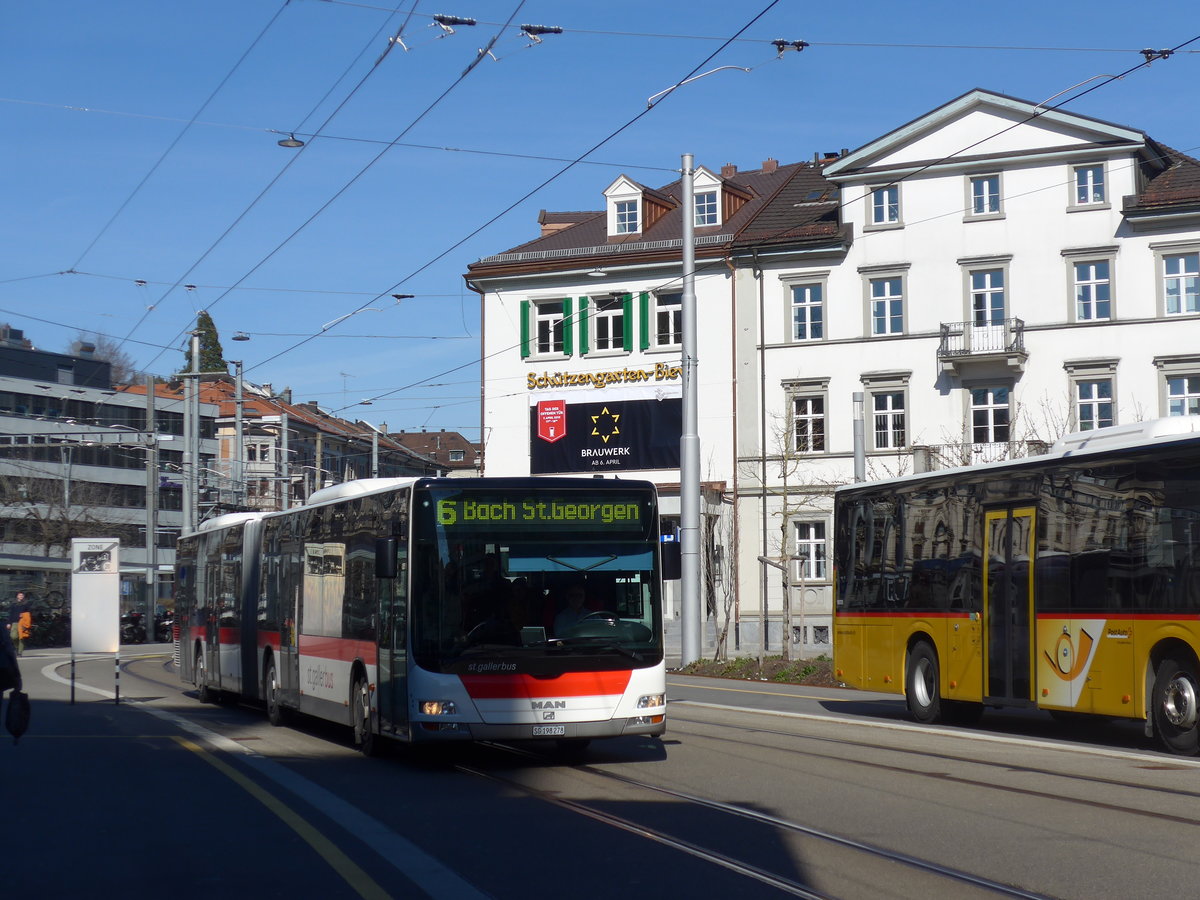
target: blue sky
104 180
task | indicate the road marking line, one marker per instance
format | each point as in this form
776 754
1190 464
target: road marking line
434 878
351 873
967 734
705 687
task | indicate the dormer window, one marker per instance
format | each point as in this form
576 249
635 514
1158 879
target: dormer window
627 217
706 208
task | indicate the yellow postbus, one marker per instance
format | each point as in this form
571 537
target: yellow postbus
1068 582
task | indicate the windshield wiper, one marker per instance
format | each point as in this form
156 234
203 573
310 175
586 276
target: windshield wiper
601 643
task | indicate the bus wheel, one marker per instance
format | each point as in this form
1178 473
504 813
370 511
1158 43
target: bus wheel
203 694
364 738
1175 707
921 684
275 713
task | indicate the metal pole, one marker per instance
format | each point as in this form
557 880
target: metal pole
285 466
860 441
151 510
689 442
186 474
194 412
239 440
374 454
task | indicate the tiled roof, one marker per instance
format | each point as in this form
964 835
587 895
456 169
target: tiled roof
779 208
1175 187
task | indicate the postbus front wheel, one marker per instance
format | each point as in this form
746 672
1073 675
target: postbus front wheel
1176 707
922 685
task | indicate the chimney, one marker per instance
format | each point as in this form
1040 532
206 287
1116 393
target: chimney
87 349
769 166
550 227
728 170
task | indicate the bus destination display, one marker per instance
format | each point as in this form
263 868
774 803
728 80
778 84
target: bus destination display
507 511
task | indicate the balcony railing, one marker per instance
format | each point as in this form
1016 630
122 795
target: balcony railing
930 458
967 342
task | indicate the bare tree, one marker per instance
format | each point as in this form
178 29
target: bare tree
109 350
801 491
50 512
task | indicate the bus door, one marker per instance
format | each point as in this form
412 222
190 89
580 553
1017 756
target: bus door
393 645
1008 553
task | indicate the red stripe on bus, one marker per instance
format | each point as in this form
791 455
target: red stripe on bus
569 684
888 614
1116 615
338 649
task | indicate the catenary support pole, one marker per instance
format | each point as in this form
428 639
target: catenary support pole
151 510
860 439
689 442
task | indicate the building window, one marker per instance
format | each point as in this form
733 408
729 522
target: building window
987 297
820 634
808 312
627 217
810 550
1181 283
668 320
887 305
990 415
706 208
887 408
548 326
885 205
1094 403
1089 185
1093 287
985 195
609 322
458 455
1183 395
808 424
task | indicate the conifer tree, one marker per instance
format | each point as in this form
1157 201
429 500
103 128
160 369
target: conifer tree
212 357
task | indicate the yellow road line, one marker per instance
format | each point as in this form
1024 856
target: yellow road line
354 876
706 687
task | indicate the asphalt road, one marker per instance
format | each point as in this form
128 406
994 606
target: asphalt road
757 790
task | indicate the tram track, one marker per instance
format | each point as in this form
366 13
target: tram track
935 875
1172 791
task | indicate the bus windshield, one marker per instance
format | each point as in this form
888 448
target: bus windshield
532 575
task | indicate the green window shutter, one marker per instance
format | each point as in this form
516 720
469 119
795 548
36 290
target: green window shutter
568 328
585 343
525 312
627 323
644 320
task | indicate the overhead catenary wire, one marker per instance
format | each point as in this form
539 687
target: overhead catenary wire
629 123
852 44
253 203
179 137
345 187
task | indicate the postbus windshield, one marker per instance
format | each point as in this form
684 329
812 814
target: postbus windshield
535 574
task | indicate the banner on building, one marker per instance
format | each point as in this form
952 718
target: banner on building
609 435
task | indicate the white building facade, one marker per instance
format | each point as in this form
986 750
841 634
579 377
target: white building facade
987 277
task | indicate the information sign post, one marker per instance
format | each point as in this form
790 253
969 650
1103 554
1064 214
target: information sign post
95 613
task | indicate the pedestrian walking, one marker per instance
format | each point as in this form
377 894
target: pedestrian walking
20 622
16 716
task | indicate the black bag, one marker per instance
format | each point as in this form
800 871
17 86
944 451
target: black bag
16 717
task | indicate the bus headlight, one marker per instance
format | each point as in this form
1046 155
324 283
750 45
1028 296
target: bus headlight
437 708
649 701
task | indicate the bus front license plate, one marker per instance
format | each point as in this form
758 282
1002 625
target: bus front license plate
549 730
